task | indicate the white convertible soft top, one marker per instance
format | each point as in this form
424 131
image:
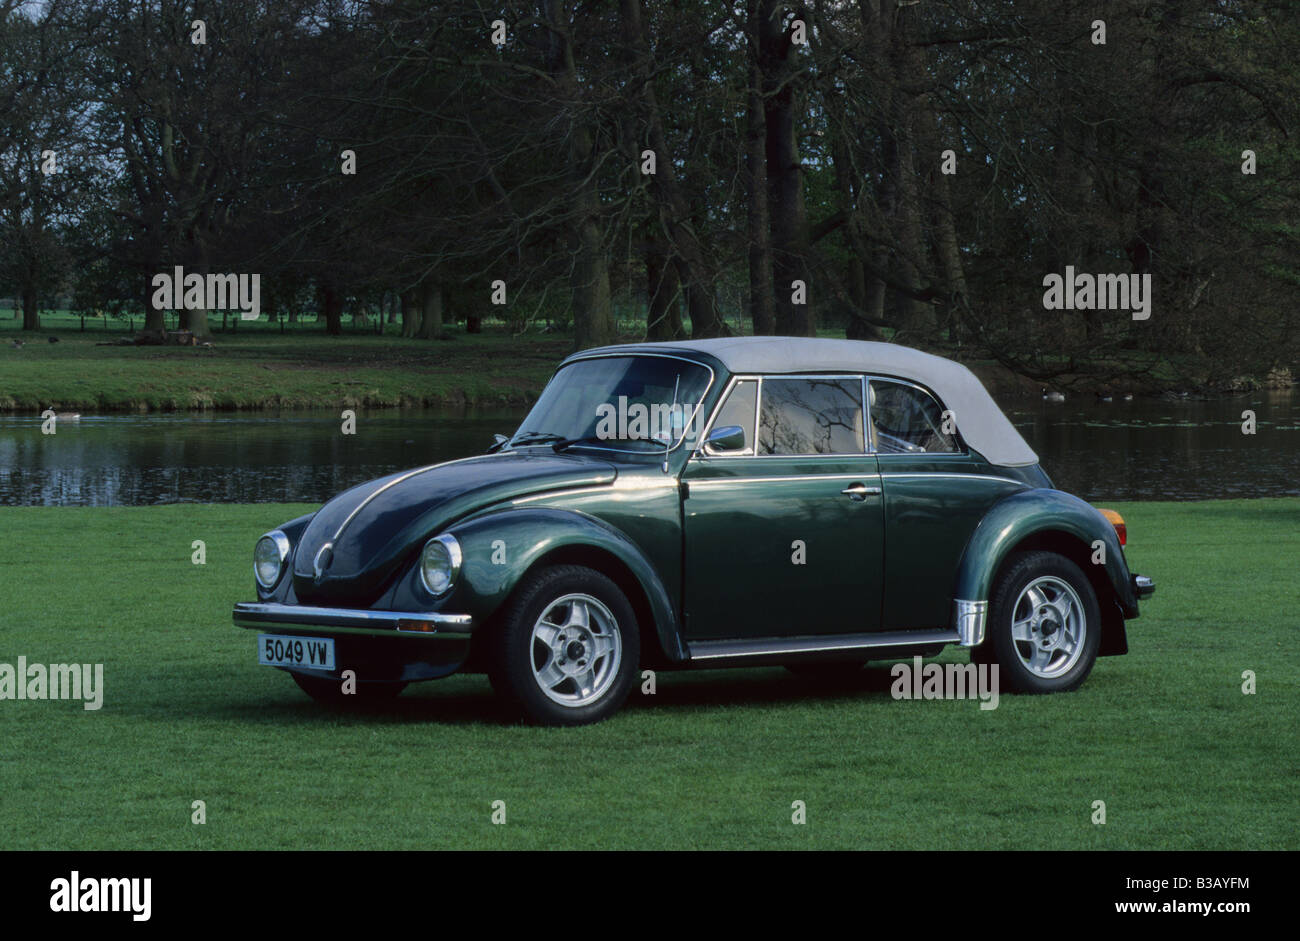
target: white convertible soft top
979 419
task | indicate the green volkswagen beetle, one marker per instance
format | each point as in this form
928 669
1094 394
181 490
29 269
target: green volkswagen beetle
733 502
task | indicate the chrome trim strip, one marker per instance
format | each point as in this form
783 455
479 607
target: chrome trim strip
263 615
968 618
946 474
695 481
572 491
393 483
778 646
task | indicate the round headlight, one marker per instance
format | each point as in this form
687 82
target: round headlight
439 564
268 558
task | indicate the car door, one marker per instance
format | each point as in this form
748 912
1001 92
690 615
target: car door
784 537
935 494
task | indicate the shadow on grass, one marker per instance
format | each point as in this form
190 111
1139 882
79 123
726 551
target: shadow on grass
469 699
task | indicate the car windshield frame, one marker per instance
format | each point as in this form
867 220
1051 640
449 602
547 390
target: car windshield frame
586 441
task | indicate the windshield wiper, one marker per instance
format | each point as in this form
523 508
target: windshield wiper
535 437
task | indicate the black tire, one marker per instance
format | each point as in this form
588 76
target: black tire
1061 665
827 669
520 664
330 691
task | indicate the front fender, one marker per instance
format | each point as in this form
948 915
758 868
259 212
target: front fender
1028 513
499 547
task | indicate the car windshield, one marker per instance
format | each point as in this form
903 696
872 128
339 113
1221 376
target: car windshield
626 403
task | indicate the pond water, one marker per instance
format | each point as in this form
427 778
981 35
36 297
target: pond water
1140 450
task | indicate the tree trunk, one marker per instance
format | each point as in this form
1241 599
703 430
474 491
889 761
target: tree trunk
196 322
762 303
31 308
664 319
857 328
947 247
431 310
593 320
917 318
154 317
784 173
333 304
411 315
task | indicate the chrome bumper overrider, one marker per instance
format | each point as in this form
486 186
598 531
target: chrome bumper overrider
296 617
968 618
1143 586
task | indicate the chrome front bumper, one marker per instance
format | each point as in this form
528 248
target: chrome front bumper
264 616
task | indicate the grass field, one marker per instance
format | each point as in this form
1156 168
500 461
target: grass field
1165 736
260 368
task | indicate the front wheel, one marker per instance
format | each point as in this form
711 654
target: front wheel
566 648
1044 624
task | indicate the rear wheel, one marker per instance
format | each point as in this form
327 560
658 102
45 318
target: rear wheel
330 691
1044 624
567 647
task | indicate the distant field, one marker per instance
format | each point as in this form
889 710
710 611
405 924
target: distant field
1182 759
257 367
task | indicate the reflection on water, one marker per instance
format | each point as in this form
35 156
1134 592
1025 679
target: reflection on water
1159 450
1100 451
228 457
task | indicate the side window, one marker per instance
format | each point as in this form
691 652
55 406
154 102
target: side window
907 420
811 416
739 409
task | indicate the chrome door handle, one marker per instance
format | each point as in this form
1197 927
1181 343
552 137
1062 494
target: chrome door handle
859 491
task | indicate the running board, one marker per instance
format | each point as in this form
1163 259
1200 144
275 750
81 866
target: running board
787 646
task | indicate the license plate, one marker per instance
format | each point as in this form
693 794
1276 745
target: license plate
277 650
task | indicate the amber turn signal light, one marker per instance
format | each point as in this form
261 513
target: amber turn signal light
1117 521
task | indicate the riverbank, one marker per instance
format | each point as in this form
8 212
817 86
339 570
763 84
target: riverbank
1164 736
256 367
262 369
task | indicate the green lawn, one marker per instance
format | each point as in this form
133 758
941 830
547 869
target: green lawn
260 368
1164 735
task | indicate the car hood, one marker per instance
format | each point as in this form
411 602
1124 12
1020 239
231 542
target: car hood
374 529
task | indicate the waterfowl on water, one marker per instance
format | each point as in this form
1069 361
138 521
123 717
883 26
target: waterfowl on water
1053 396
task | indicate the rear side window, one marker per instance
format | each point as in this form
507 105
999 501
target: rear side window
811 416
907 420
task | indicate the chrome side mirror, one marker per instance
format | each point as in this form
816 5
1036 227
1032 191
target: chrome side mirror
728 439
